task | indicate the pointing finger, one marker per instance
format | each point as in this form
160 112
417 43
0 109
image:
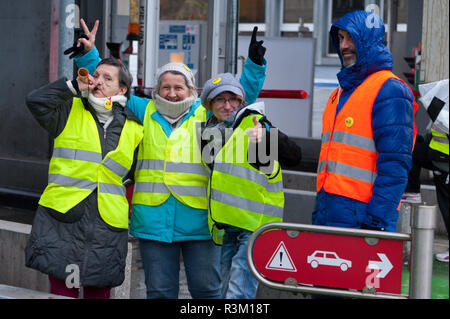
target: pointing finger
255 30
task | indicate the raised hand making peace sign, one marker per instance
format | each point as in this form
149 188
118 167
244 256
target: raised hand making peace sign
85 42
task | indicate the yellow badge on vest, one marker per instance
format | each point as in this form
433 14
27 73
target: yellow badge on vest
349 121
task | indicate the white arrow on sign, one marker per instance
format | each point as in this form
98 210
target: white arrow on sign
384 265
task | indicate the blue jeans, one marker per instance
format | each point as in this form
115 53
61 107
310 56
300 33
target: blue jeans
237 280
161 263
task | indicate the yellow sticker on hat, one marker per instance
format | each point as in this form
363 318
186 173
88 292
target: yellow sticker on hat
216 80
186 67
349 121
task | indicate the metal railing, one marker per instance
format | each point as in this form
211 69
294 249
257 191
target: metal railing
423 219
283 94
268 94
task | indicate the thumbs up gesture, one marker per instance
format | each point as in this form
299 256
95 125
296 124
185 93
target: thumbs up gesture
255 133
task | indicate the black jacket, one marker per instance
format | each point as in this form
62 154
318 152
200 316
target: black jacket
79 237
289 153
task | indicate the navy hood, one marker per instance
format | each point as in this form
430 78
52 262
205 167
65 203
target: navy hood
367 31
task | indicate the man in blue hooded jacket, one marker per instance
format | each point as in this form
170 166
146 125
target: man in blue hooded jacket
349 194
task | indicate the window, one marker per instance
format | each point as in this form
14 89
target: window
252 11
331 255
189 10
298 16
295 9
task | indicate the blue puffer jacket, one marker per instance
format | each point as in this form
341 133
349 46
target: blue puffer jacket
393 128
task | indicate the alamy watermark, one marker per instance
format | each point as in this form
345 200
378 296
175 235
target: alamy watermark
373 279
373 20
227 145
73 278
73 16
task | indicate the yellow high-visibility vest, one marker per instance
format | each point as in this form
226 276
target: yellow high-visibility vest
240 195
171 165
77 167
439 142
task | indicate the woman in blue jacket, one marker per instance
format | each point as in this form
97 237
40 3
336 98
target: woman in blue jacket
171 228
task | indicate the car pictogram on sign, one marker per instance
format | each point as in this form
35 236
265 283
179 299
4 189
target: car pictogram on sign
328 258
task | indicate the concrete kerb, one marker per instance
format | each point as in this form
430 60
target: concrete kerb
14 276
10 292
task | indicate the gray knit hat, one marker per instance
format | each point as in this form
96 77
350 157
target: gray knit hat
224 82
177 67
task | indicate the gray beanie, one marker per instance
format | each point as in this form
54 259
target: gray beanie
224 82
175 67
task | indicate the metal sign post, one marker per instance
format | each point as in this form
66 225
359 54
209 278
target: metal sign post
148 43
343 262
423 222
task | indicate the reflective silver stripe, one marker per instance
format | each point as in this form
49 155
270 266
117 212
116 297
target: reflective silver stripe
111 189
326 137
248 174
351 171
442 140
183 190
79 155
350 139
321 166
70 181
190 168
150 164
149 187
115 167
247 204
354 140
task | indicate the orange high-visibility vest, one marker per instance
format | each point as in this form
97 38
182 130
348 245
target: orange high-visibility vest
348 156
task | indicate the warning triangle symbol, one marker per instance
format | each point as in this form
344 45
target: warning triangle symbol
281 260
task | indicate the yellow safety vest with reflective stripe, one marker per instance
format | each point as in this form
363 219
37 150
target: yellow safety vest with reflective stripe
439 142
171 165
77 168
240 195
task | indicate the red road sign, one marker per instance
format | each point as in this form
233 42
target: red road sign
337 261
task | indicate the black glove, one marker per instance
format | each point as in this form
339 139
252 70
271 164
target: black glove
255 50
367 227
76 50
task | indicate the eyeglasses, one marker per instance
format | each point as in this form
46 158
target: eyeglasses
234 101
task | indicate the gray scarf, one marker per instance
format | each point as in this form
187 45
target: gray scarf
170 109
